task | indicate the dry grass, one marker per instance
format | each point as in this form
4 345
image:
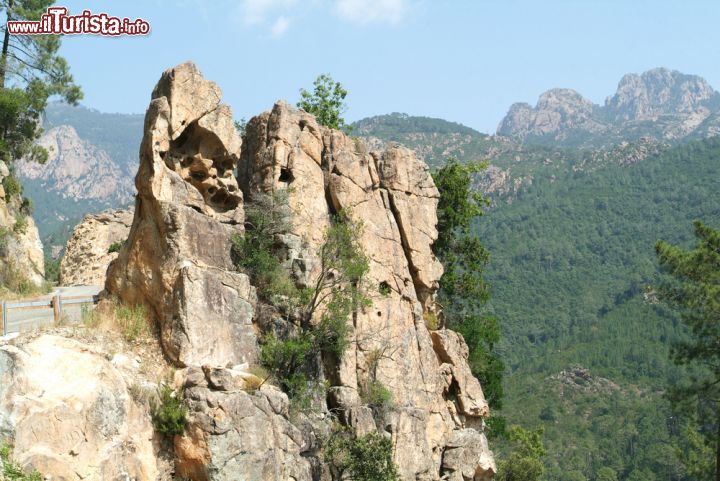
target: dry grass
130 321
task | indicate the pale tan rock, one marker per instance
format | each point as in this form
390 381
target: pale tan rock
68 412
392 194
176 261
22 253
87 255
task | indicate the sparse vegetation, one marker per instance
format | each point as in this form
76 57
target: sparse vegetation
116 246
21 225
12 186
130 321
361 458
169 415
291 353
11 471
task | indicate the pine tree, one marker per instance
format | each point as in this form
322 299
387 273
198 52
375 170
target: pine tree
463 291
31 71
694 291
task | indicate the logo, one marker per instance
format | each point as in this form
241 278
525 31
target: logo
56 21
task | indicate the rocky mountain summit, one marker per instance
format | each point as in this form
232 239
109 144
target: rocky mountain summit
660 103
194 183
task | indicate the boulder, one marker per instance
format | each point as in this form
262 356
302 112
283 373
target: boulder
87 254
68 413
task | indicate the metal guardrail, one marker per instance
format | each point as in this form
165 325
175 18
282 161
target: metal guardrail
56 303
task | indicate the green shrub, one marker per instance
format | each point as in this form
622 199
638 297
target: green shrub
10 470
361 458
116 246
12 186
21 225
169 416
52 270
375 394
27 206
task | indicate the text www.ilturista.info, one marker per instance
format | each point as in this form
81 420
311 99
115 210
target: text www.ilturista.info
56 21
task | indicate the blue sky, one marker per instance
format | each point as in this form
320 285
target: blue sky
462 60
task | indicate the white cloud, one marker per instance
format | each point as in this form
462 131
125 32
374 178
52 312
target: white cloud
255 11
279 27
372 11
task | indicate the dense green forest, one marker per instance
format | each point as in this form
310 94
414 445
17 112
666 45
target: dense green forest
586 346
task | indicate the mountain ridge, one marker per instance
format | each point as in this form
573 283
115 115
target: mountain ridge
662 103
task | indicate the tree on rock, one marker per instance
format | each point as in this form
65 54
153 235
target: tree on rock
693 289
463 291
31 71
326 102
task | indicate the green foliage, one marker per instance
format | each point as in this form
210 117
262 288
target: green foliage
463 290
326 102
11 186
266 217
31 71
291 355
240 126
116 246
375 394
21 224
525 462
11 471
169 415
361 458
572 255
694 292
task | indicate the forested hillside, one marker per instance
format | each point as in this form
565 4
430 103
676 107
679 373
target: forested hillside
571 235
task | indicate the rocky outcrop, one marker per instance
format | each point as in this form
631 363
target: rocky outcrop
68 411
176 260
661 103
88 252
21 251
392 194
557 113
177 263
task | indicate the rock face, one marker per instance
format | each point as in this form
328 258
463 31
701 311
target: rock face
177 263
662 103
77 169
69 413
393 195
176 260
87 255
21 251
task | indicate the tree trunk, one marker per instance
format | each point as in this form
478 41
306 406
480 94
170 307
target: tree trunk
6 45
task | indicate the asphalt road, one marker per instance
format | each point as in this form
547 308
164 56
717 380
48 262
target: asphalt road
23 320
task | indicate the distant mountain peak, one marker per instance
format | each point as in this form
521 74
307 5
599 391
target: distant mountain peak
661 103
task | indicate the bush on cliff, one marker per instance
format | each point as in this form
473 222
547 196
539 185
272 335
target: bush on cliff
9 470
169 416
291 354
361 458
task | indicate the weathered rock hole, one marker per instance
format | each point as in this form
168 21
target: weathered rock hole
286 175
199 176
162 153
379 314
